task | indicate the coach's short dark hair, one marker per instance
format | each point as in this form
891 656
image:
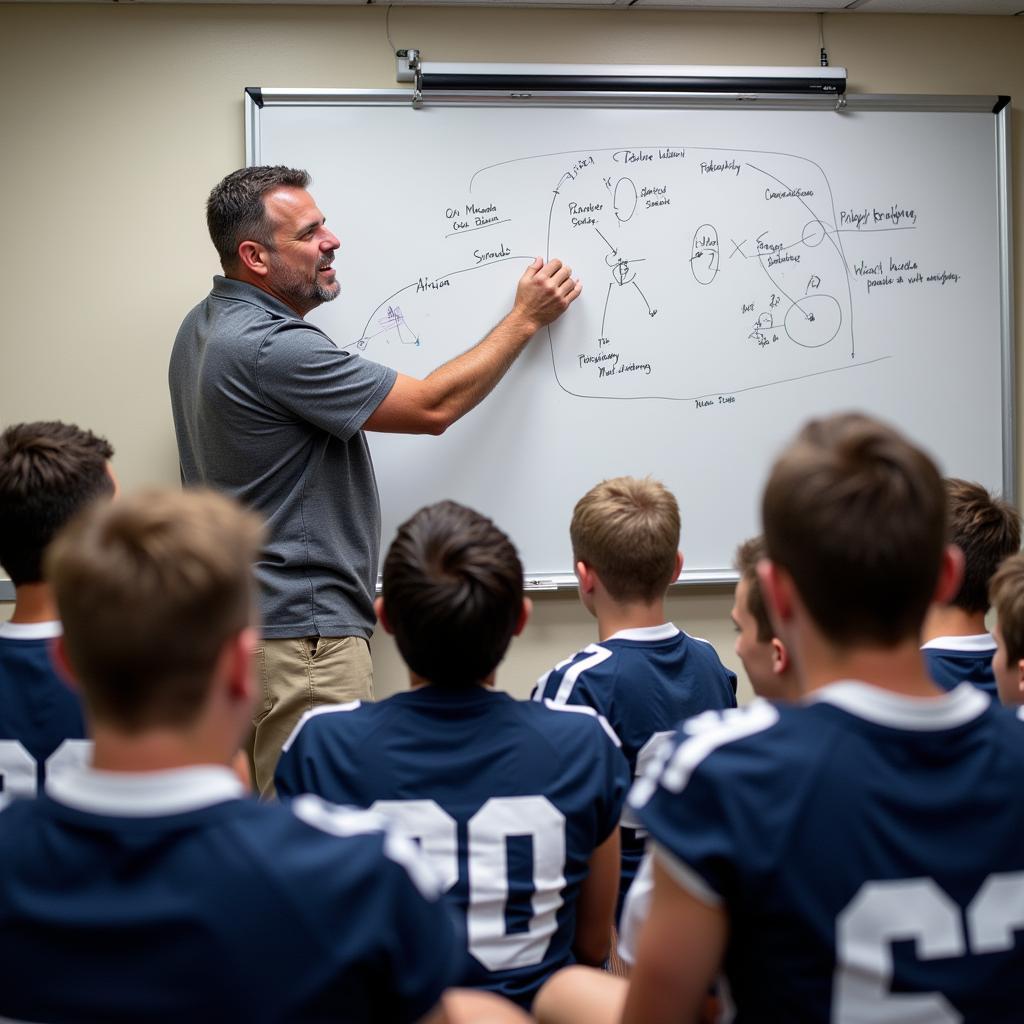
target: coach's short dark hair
453 594
857 515
987 530
48 471
235 211
748 554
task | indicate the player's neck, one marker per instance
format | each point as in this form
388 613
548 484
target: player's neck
33 602
900 669
948 620
418 682
613 617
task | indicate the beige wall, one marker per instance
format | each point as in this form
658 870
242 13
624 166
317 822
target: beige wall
116 119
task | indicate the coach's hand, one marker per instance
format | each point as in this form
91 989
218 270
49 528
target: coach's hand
545 292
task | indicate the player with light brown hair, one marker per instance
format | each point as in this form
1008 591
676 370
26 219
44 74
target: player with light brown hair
644 674
958 645
1006 591
803 849
154 847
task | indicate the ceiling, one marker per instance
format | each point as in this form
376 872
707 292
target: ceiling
986 7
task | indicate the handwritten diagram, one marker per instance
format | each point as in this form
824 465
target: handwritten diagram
706 271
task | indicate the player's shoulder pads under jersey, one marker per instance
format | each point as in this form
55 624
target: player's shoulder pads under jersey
346 822
697 739
323 709
582 709
571 669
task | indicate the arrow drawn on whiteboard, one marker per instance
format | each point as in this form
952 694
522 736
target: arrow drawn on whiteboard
650 311
609 244
607 295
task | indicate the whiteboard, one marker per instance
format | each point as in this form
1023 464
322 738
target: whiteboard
743 270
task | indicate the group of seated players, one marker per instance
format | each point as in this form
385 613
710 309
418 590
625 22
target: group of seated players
628 845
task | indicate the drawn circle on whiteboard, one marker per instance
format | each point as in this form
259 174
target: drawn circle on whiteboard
813 233
704 263
813 321
624 199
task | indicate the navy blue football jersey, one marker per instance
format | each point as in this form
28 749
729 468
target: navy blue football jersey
645 682
507 798
165 897
866 847
41 724
952 660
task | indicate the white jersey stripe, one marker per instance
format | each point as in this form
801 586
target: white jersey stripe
538 690
323 709
733 724
597 655
583 709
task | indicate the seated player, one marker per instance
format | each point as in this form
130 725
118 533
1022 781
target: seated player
958 646
1006 592
765 657
644 674
145 887
48 472
856 856
773 676
515 803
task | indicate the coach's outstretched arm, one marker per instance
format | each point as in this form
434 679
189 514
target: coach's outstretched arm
431 405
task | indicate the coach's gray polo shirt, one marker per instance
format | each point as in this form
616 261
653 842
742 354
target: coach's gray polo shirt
268 409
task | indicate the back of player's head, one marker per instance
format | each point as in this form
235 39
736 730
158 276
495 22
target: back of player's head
856 514
452 593
235 211
1006 592
149 590
987 530
627 531
748 554
48 471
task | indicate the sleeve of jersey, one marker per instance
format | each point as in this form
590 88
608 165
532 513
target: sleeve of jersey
306 766
301 370
616 778
695 833
577 683
426 951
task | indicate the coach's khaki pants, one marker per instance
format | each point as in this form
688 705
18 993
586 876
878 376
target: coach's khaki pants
295 675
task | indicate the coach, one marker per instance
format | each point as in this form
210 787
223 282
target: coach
267 408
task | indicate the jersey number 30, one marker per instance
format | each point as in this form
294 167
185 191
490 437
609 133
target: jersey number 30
487 831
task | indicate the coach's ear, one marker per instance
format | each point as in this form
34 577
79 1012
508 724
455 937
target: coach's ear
378 607
59 652
524 616
951 574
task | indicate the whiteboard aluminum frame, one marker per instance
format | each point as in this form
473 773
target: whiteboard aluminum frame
256 98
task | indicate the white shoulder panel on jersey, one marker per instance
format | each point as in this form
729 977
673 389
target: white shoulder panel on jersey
323 709
538 690
596 655
732 724
345 822
583 709
1020 712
